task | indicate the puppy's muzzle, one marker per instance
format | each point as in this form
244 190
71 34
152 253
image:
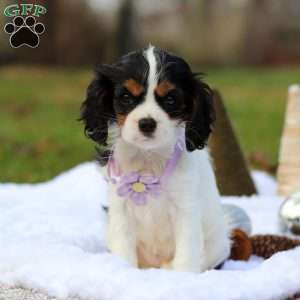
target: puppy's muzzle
147 126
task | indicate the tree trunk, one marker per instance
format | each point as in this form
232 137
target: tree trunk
258 32
126 37
48 45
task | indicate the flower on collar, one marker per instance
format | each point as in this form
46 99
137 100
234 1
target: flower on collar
137 187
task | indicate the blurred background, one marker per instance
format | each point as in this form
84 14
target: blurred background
248 49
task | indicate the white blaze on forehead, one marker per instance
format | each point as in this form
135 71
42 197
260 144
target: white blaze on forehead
152 74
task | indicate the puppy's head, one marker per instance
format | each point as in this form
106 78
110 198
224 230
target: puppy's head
149 94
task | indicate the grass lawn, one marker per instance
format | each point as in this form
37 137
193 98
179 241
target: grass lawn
40 135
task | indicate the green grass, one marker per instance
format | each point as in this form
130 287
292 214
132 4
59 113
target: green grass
40 135
39 132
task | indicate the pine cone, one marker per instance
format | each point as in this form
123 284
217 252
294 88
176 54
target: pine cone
266 245
263 245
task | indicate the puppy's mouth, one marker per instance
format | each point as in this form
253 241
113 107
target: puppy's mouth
148 138
145 138
146 142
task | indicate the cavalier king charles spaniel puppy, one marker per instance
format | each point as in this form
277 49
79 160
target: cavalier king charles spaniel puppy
151 117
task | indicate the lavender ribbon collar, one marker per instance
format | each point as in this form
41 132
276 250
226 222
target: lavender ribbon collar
138 186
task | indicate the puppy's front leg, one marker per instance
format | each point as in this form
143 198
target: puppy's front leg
121 234
189 239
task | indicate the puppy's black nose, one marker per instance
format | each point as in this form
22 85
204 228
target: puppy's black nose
147 126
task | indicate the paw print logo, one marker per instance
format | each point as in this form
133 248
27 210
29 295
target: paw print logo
24 32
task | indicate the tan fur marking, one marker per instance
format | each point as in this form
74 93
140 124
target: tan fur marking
164 87
135 88
121 120
146 259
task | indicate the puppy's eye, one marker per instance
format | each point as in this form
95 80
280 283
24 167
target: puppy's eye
169 100
126 99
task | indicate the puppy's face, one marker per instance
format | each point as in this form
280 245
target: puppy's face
150 105
149 94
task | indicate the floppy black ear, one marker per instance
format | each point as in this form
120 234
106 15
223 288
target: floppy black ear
97 110
201 116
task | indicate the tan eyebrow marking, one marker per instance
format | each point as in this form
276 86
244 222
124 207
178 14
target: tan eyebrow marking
135 88
164 87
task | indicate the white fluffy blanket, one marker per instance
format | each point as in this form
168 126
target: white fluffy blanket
52 240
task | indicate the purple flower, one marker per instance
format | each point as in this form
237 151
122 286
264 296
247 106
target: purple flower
137 187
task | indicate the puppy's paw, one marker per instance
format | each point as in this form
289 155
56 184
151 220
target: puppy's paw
189 266
130 258
124 253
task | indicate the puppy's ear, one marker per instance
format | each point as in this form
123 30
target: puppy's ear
97 110
200 117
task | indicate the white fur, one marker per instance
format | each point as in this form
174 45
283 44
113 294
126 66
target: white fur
166 130
182 229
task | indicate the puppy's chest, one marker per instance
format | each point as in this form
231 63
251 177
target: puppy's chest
154 227
155 218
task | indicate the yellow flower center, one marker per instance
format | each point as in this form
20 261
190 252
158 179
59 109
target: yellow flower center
138 187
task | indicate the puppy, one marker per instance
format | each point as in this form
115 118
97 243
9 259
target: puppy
154 117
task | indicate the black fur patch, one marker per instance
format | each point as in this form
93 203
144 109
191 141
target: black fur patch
192 99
